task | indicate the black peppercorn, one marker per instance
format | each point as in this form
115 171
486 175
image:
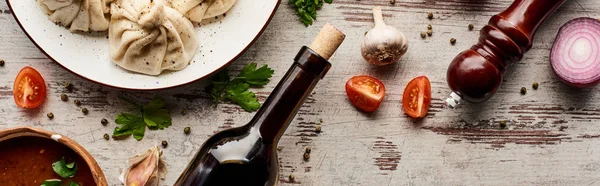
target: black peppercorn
452 41
64 97
423 35
77 102
2 63
306 156
535 85
392 2
308 150
50 115
318 128
165 143
429 27
523 90
104 121
291 177
429 15
502 124
184 112
429 32
471 27
106 137
186 130
84 110
562 128
69 86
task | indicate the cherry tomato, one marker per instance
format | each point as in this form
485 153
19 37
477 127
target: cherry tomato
417 97
29 89
365 92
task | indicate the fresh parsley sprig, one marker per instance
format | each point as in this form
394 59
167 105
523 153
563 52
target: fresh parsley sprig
237 89
152 115
64 170
307 9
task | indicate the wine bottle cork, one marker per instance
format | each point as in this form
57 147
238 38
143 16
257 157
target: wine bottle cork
327 41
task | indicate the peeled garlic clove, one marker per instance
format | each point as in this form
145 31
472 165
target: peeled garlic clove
383 44
146 169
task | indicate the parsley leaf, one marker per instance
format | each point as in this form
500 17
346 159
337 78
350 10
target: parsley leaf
155 116
152 114
51 182
307 9
255 77
238 93
237 89
63 169
73 184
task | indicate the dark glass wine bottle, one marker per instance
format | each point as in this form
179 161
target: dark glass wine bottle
247 155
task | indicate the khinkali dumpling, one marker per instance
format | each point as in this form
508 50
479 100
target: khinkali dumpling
197 10
148 36
78 15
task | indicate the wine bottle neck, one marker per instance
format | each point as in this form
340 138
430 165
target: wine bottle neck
281 106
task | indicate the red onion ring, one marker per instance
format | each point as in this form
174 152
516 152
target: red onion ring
575 55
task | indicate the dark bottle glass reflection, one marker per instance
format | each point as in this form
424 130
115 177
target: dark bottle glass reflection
247 155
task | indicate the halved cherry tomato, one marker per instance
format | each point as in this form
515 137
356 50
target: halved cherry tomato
365 92
29 89
417 97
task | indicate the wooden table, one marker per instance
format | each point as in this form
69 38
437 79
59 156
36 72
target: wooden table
551 138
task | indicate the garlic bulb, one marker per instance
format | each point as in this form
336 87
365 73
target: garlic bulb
383 44
146 169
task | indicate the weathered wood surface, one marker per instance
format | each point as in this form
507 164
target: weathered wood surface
552 136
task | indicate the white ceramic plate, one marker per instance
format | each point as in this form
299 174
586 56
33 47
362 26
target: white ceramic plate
86 55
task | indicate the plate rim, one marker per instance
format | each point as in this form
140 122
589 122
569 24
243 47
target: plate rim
264 27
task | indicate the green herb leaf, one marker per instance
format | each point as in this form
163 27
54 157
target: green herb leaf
73 184
156 103
236 89
127 124
307 9
152 114
71 165
62 168
51 182
255 77
157 118
219 83
239 93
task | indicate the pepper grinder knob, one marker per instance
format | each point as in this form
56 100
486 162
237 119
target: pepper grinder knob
476 74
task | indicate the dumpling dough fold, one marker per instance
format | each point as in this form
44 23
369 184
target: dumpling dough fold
78 15
148 36
197 10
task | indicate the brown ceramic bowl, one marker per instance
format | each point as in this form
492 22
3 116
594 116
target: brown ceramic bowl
95 170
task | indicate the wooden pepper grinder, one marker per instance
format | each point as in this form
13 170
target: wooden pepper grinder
475 74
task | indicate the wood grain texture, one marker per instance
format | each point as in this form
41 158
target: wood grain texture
551 138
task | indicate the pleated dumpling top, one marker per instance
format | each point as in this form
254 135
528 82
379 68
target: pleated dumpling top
148 36
197 10
78 15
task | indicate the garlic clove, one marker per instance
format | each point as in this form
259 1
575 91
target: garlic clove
383 44
146 169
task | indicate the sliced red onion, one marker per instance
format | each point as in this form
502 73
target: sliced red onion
575 56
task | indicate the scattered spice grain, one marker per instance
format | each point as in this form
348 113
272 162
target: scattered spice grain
64 97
